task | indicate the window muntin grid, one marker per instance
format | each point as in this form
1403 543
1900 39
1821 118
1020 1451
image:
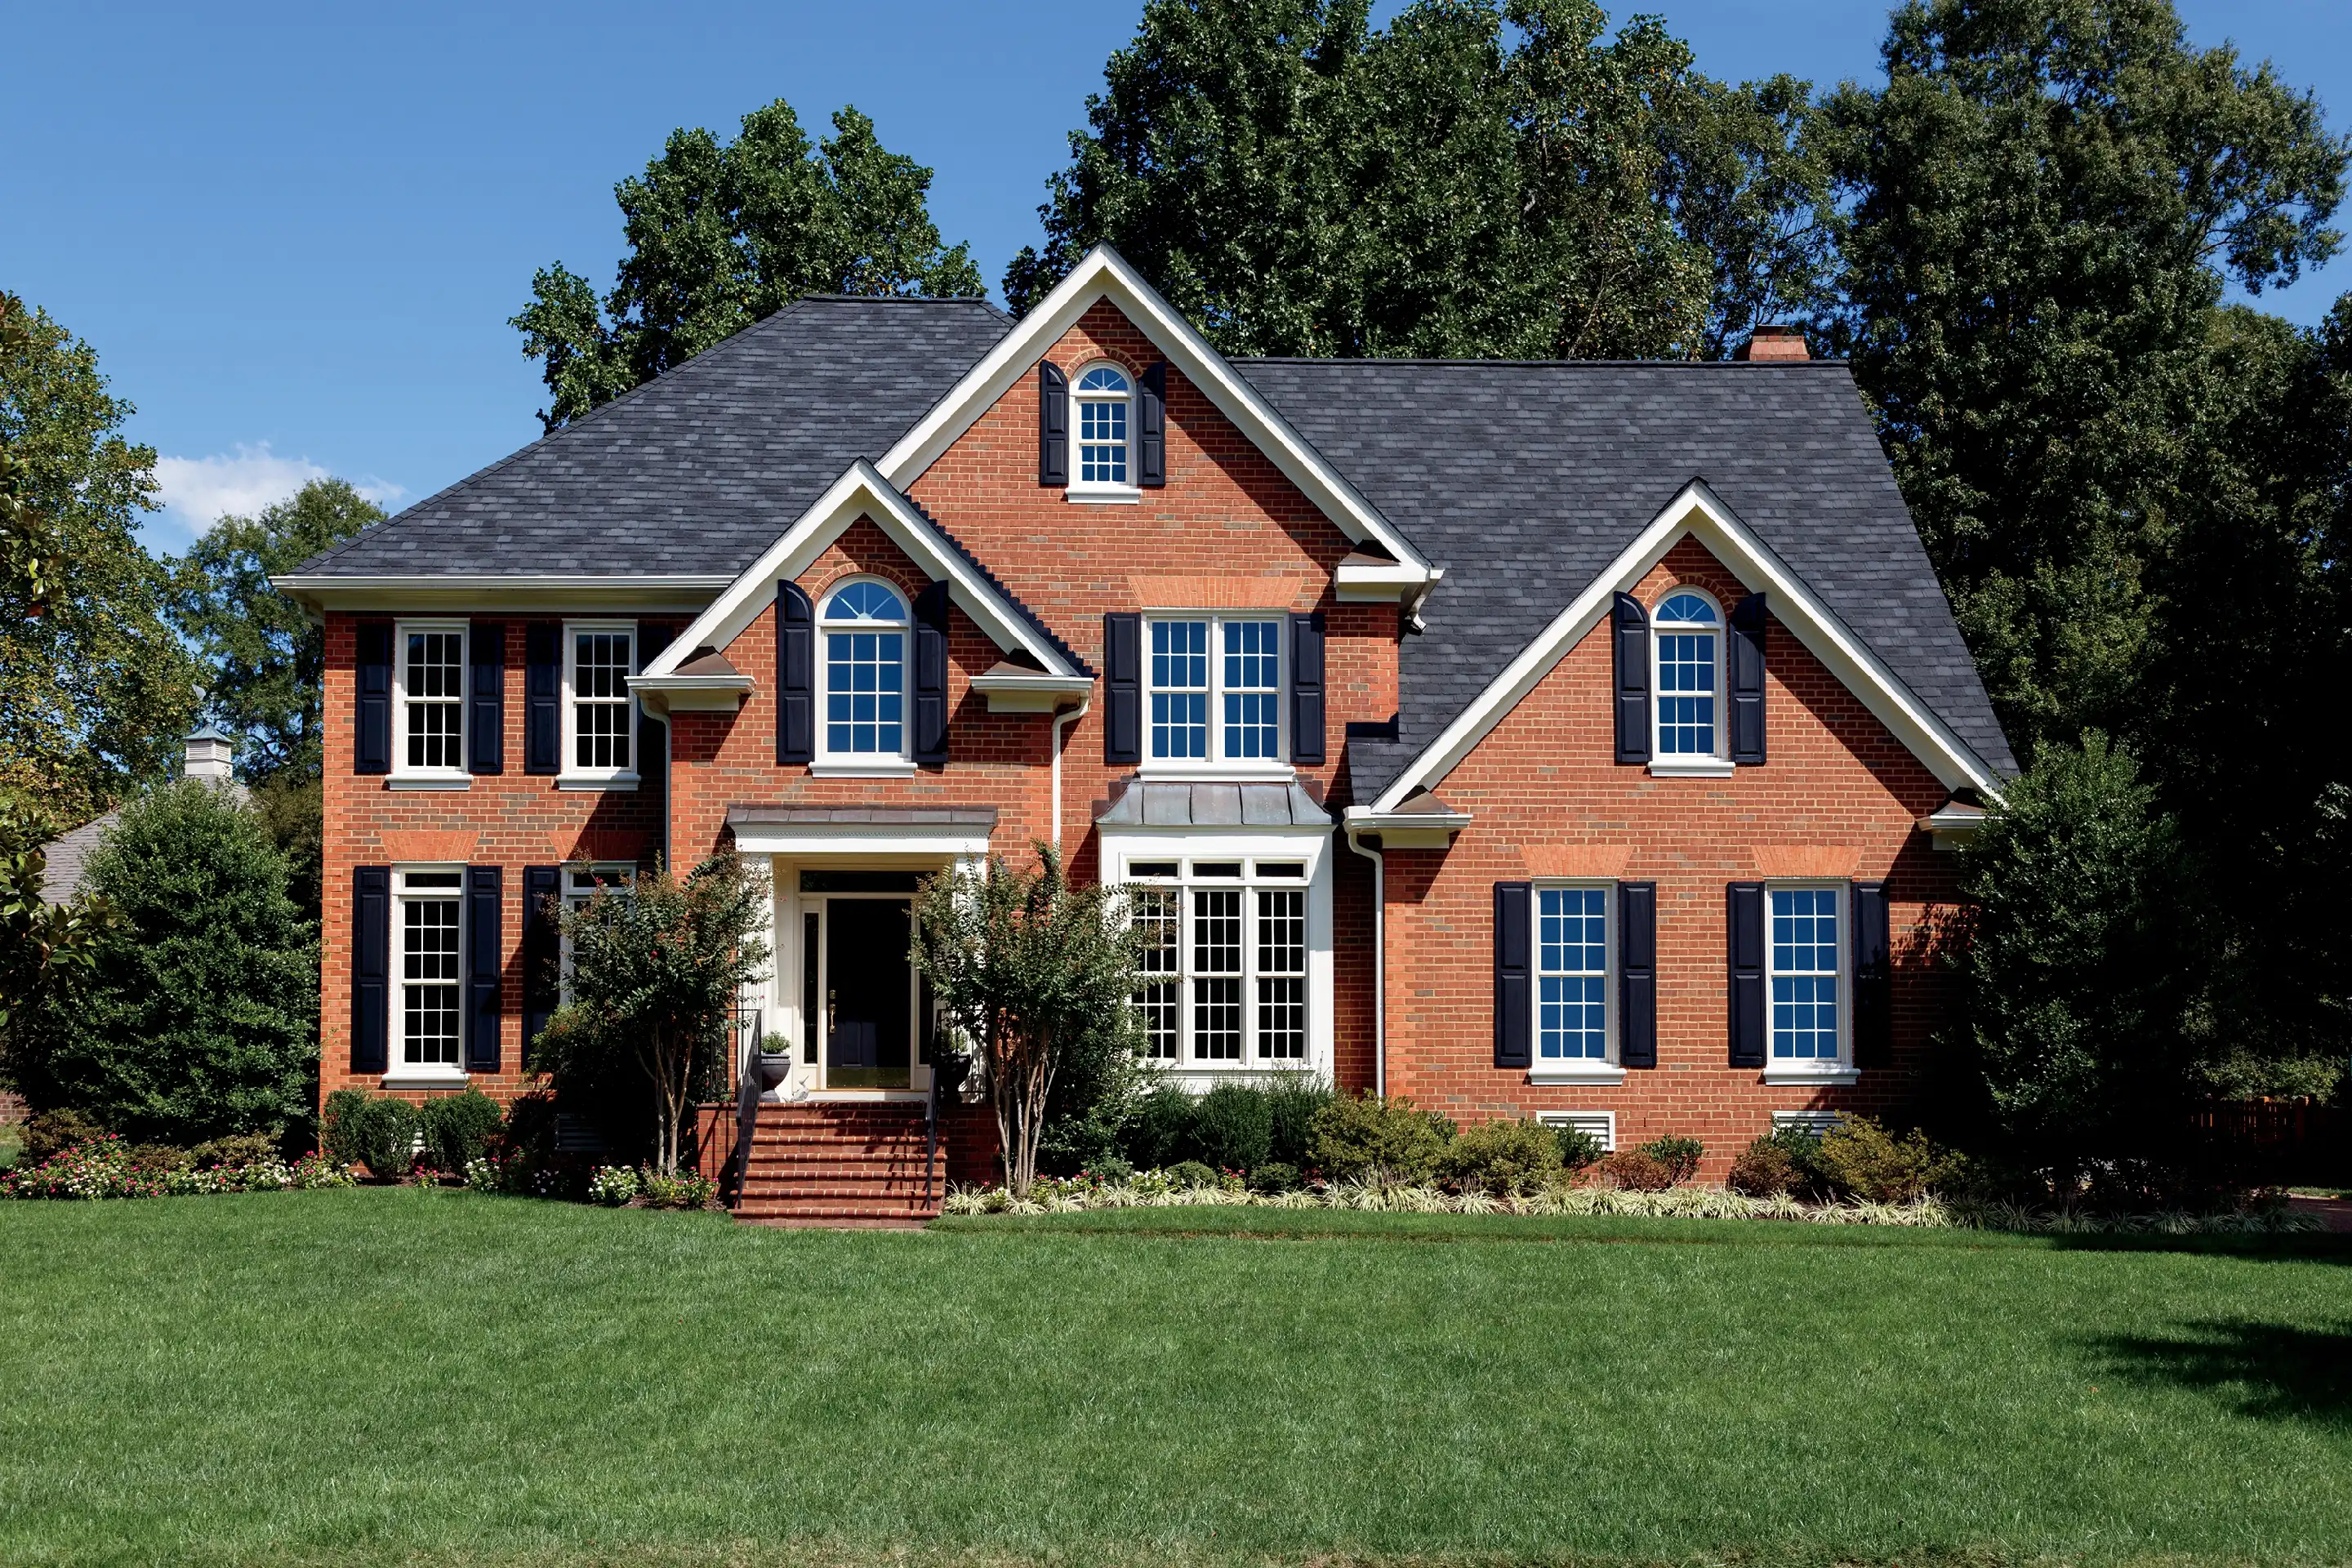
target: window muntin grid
433 697
1687 633
431 981
1571 974
1802 955
1217 974
1235 955
1154 911
1103 394
1282 974
1240 683
865 671
601 665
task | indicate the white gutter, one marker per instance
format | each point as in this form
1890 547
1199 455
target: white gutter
1061 732
1379 962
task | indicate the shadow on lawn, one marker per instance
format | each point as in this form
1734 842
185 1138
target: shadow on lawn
2271 1370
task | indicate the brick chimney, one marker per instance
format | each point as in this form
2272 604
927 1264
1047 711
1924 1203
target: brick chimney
1773 345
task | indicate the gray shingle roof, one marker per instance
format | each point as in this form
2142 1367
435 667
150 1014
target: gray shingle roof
1523 481
698 471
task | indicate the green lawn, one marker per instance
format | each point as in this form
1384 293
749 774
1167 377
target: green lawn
402 1376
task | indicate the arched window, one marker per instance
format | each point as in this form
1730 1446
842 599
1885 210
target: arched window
1102 394
1689 641
864 627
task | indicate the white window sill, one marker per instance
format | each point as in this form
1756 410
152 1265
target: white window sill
1228 772
1589 1072
1692 768
596 780
862 768
429 781
424 1078
1808 1072
1106 495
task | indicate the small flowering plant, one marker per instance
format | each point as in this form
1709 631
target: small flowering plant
613 1185
107 1167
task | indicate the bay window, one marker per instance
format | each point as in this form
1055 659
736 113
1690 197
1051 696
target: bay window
1227 961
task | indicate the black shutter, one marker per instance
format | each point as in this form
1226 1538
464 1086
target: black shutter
484 935
372 750
486 697
371 968
932 674
1052 425
1743 927
1747 660
1637 974
1307 687
1123 687
1629 643
1873 977
1513 975
653 735
541 952
796 676
542 698
1152 429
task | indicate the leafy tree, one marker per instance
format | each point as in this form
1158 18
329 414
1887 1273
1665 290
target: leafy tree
722 234
1477 179
200 1016
264 661
95 691
1034 974
655 969
29 557
46 950
2046 198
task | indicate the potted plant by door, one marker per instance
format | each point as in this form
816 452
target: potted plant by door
775 1063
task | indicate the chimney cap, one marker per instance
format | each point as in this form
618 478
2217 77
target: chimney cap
1768 344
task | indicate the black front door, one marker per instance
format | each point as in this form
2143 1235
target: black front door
866 994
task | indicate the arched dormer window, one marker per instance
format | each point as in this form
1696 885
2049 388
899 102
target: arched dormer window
1687 634
864 625
1103 393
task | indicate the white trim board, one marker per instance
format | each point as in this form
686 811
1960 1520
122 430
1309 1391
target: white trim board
1697 513
861 491
1104 275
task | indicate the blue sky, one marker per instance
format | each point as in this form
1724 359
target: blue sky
294 234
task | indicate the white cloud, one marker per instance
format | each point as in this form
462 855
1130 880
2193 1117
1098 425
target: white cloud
199 491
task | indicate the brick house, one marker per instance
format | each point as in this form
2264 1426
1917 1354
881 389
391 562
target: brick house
1572 739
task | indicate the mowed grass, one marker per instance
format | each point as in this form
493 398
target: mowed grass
403 1376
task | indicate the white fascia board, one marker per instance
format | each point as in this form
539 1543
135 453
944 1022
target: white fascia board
1030 692
1104 275
1382 582
665 694
861 491
811 840
1697 511
321 592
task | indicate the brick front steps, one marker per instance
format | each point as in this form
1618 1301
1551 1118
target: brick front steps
858 1164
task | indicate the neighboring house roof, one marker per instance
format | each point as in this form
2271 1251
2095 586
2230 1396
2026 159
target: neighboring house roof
1524 480
68 858
700 470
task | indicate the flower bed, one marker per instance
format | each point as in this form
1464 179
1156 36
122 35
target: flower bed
1153 1189
106 1167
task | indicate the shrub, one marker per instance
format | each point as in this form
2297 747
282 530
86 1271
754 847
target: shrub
1162 1131
1111 1168
49 1133
338 1134
380 1134
1232 1127
1860 1157
1680 1156
611 1185
1386 1142
687 1190
1293 1099
1501 1158
242 1150
460 1128
1578 1148
1764 1170
1274 1177
1636 1172
1191 1174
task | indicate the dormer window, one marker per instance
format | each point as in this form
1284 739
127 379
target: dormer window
866 627
1687 634
1102 394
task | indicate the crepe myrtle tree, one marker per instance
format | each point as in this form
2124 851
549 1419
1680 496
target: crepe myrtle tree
1034 976
655 971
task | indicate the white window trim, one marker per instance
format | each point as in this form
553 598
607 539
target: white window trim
1715 765
828 762
1100 493
1814 1071
573 775
403 776
399 1072
1603 1124
1289 845
1216 765
1584 1069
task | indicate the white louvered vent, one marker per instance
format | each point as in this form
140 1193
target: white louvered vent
1600 1124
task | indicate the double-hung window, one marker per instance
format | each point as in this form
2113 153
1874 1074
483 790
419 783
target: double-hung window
1571 975
599 713
428 926
866 627
1224 961
581 884
1215 689
1104 396
1803 949
1688 634
429 699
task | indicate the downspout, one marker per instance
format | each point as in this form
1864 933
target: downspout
1379 963
1061 724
